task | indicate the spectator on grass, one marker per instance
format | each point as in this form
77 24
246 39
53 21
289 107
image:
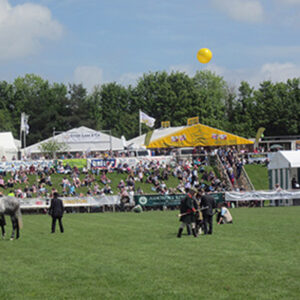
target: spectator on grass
2 183
107 189
224 216
104 180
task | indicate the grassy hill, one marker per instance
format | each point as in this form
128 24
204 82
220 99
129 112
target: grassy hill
258 175
137 256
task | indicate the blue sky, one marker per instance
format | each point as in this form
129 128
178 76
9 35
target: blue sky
96 42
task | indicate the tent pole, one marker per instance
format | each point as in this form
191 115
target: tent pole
140 127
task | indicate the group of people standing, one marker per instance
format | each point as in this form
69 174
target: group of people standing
197 211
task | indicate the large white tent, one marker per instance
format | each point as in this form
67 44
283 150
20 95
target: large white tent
283 166
81 139
8 146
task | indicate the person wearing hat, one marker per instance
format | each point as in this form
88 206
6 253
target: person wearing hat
187 211
56 211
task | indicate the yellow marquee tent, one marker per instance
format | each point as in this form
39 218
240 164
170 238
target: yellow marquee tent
197 135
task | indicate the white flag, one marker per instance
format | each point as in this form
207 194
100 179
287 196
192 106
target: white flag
144 118
24 123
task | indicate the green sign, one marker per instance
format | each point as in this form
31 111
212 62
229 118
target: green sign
167 200
75 162
219 197
158 200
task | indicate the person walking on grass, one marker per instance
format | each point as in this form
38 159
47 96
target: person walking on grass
207 205
187 211
56 211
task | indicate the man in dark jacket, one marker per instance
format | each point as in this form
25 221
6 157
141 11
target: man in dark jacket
2 224
207 205
56 211
187 211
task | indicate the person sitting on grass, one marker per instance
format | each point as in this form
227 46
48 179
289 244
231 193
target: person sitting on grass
72 190
107 189
224 216
48 180
104 180
2 183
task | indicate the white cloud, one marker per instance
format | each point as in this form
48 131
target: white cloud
241 10
130 79
275 72
23 27
187 69
89 76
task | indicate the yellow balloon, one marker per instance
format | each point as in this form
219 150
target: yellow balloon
204 55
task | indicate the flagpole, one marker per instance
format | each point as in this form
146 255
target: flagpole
140 124
21 130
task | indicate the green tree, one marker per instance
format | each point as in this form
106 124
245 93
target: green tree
52 147
211 98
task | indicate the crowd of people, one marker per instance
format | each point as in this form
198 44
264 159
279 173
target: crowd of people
37 181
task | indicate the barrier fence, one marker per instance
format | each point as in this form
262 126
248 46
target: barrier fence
282 198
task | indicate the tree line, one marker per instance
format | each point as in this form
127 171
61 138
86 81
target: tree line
164 96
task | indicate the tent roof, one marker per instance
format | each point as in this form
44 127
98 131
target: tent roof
139 141
189 136
7 141
82 139
285 159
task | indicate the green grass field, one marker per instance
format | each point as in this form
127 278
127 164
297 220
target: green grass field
258 175
137 256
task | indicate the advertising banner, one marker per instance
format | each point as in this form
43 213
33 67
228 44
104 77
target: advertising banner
261 195
82 137
75 162
130 161
167 200
97 201
9 166
103 163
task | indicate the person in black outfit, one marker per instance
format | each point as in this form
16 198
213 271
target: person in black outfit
208 203
56 211
187 211
2 224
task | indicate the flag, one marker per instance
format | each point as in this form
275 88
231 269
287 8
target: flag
24 123
144 118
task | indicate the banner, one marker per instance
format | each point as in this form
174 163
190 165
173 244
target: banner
167 200
9 166
130 161
75 162
103 163
24 123
261 195
97 201
144 118
158 200
82 137
259 134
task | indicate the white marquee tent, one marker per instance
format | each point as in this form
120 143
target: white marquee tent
283 166
8 145
81 139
